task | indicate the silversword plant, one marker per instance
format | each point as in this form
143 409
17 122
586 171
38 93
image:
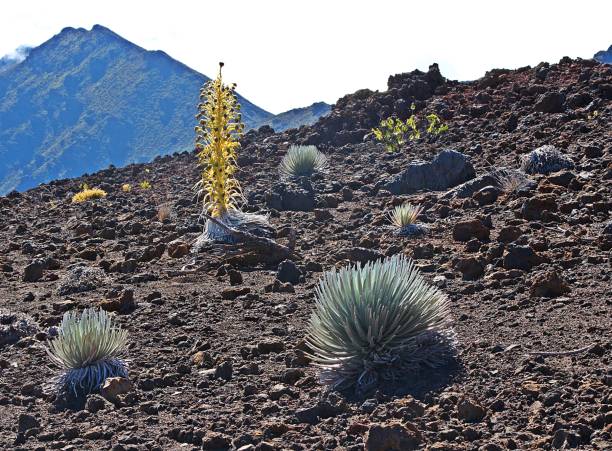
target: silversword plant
378 322
88 348
404 217
217 140
302 161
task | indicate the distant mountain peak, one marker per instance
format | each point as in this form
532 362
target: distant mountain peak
85 99
297 117
604 56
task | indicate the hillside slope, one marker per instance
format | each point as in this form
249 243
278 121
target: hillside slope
86 99
216 339
297 117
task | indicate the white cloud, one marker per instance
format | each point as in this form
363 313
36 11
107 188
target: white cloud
285 54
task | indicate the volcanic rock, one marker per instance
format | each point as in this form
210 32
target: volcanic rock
470 411
177 249
449 168
288 272
113 387
534 207
393 436
295 195
33 272
470 267
26 421
80 279
473 228
520 257
548 284
551 102
359 254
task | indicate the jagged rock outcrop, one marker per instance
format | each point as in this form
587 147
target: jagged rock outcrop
449 168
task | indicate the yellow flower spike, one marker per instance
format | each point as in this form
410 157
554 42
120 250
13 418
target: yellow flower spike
216 143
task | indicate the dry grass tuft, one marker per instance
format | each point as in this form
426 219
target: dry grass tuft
163 212
88 194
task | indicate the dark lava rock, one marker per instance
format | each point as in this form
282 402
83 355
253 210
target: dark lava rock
449 168
308 415
322 215
548 284
279 287
270 346
95 403
347 194
470 411
295 195
470 268
216 441
521 257
235 277
225 370
177 249
486 195
34 271
472 228
14 327
359 254
233 293
393 436
26 421
550 102
562 178
534 207
509 233
80 279
123 303
288 272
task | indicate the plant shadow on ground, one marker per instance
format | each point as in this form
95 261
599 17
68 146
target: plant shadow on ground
69 403
420 385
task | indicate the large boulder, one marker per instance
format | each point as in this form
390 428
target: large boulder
297 195
34 271
467 189
521 257
550 102
449 168
471 228
393 436
534 207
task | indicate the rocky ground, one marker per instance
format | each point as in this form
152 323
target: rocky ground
216 339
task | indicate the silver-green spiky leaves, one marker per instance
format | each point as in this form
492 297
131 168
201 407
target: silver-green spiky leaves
88 348
379 321
302 161
405 215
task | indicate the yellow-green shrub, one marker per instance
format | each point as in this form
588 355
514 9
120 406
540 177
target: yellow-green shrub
87 194
394 132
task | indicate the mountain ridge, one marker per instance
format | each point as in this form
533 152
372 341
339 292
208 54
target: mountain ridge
86 99
297 117
604 56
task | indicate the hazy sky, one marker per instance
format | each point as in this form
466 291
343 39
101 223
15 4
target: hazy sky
285 53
